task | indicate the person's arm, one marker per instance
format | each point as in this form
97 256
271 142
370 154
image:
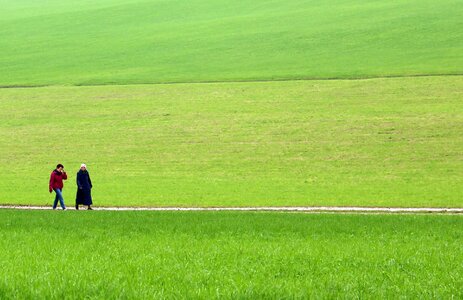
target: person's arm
64 176
79 185
52 179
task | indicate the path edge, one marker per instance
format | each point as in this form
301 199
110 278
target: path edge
340 209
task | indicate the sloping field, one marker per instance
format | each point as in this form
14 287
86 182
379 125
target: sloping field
107 69
138 255
376 142
133 41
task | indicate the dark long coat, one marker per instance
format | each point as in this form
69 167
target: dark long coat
84 188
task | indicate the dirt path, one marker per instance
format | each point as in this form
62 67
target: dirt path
345 209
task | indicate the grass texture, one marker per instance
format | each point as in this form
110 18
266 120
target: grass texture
376 142
140 255
139 41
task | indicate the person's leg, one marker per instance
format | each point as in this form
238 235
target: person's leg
60 197
88 199
90 202
78 197
56 200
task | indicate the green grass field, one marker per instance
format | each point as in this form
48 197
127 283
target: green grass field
137 255
140 41
228 103
377 142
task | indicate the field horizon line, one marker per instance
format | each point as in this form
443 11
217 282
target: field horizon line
359 78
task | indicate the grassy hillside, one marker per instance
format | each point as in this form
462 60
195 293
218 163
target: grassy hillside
137 255
134 41
377 142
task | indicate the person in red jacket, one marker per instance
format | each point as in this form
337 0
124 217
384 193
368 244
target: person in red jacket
56 184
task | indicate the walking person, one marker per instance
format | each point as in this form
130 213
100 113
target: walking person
56 184
84 188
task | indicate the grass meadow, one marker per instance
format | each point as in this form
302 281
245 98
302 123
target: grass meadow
232 103
139 255
139 41
376 142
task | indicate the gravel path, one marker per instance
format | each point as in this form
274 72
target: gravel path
269 208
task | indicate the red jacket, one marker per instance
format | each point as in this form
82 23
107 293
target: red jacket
56 180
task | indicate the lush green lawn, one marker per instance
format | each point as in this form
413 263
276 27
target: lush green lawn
378 142
47 254
140 41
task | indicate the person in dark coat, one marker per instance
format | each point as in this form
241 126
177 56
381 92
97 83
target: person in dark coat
84 188
56 184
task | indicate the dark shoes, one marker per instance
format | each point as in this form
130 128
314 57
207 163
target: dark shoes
89 207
